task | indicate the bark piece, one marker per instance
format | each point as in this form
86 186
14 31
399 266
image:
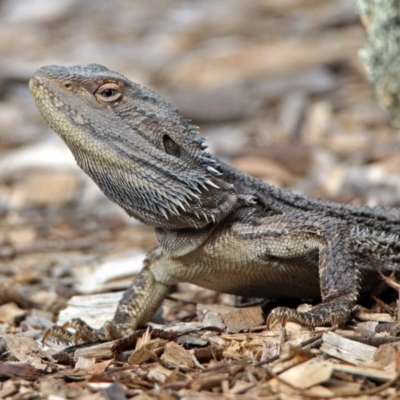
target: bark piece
11 313
85 363
26 350
144 352
112 273
365 372
382 53
94 309
207 381
98 351
15 371
308 374
347 350
176 356
234 319
388 356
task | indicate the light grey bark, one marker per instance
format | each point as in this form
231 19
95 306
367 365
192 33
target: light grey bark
381 56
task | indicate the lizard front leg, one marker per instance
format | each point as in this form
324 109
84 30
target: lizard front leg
139 303
140 300
294 236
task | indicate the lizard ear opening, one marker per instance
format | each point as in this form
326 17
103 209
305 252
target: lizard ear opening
171 147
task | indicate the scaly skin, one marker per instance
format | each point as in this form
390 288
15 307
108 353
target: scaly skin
216 227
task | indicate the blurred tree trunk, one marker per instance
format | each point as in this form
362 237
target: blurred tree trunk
381 19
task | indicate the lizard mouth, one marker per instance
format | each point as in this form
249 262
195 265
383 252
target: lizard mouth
35 83
37 88
32 84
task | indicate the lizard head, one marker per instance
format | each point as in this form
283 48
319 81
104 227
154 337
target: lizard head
141 152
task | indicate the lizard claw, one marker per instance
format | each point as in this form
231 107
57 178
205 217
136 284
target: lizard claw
83 332
277 315
332 313
60 333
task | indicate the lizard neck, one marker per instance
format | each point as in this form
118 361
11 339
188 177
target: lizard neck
148 200
180 242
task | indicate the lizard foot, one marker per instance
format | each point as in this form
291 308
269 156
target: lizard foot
330 313
83 332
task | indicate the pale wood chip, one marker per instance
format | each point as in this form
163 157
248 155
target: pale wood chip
159 374
176 356
180 328
388 356
143 396
241 387
14 370
289 359
111 273
26 350
270 349
317 122
23 236
207 382
51 188
281 388
243 319
8 388
347 350
85 363
308 374
234 319
365 315
97 351
372 373
11 313
144 340
94 309
96 386
367 327
145 351
99 367
191 340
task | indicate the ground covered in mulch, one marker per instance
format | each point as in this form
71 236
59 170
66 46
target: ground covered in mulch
280 92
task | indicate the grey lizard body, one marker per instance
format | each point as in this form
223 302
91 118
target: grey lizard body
216 226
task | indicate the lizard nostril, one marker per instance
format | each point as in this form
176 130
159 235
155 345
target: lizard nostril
67 85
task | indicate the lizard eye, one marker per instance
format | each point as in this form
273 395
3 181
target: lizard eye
109 93
171 147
